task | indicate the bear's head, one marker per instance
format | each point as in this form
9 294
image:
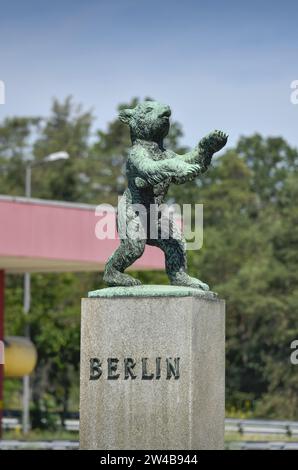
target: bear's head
147 121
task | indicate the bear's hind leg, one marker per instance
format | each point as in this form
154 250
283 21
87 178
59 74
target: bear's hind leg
125 255
175 257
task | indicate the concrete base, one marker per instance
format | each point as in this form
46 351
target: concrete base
152 372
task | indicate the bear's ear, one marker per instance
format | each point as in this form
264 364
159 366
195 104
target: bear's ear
125 115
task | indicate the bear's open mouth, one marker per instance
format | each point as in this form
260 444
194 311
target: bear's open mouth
166 114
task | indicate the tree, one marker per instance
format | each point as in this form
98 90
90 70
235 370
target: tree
246 259
270 160
68 128
15 148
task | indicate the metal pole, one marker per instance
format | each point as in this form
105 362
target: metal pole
28 181
2 288
26 379
27 303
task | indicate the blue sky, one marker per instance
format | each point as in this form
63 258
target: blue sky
220 64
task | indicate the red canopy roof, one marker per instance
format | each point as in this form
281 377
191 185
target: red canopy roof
41 235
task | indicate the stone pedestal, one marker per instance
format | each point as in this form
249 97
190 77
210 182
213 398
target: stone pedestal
152 369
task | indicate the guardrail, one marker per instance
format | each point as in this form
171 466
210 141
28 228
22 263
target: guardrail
14 424
242 426
259 426
11 424
261 445
72 445
38 445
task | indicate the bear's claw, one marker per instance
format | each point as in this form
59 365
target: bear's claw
116 278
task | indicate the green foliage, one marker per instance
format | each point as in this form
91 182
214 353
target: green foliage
68 129
15 134
249 255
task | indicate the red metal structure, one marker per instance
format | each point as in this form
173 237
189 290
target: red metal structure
38 235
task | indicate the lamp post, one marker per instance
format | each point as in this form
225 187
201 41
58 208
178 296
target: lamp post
53 157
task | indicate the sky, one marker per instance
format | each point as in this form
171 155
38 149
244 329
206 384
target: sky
219 64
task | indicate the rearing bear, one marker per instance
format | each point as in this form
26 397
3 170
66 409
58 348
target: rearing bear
150 170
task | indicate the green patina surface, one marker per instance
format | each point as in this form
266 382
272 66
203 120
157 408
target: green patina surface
150 170
152 291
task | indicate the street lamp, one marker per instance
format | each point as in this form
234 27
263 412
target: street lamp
53 157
